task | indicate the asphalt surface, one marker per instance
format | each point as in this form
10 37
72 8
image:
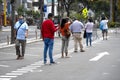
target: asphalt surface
99 62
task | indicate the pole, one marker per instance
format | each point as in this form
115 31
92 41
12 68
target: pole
5 22
41 13
13 22
53 7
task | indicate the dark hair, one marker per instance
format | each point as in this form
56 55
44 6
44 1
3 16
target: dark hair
63 21
50 15
90 20
103 18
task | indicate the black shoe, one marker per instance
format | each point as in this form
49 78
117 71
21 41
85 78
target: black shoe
22 57
75 51
53 63
18 57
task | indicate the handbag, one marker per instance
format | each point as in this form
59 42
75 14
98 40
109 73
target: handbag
67 33
84 34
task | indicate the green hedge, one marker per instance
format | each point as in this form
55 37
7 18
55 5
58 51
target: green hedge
113 24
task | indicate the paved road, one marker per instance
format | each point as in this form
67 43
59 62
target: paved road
99 62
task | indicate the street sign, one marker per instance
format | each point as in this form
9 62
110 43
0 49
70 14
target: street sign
35 3
85 12
45 8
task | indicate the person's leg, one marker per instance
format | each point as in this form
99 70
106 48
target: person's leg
106 33
63 46
103 32
51 43
23 45
75 43
17 47
66 46
45 49
80 43
87 39
90 37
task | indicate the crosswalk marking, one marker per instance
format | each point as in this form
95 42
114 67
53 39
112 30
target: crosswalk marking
4 66
5 78
8 76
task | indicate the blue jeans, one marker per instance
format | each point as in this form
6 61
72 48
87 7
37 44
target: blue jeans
48 44
89 38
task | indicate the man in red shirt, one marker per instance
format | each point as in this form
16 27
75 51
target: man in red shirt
48 29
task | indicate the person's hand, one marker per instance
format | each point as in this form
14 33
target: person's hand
26 35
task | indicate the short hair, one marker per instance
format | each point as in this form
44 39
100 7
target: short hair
90 20
103 18
50 15
21 16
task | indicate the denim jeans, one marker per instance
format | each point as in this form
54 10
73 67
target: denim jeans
89 38
48 44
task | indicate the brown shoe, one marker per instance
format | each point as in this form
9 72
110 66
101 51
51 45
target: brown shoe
22 57
82 51
18 57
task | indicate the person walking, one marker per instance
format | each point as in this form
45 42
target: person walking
89 29
48 29
64 27
21 33
104 27
76 29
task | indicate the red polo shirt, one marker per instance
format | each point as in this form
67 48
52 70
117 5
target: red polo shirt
48 29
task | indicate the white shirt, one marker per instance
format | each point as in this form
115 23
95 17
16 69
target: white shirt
105 26
89 27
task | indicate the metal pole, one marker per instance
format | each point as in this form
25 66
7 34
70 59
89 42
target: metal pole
5 22
13 22
53 6
41 13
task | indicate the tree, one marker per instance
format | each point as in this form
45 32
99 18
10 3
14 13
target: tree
20 10
67 5
1 1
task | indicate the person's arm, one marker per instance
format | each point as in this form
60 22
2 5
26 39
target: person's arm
53 28
15 30
26 33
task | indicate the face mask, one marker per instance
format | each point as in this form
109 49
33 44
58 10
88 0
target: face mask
53 19
21 21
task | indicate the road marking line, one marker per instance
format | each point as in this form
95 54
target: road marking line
8 76
4 66
5 78
100 55
31 66
19 71
14 74
36 70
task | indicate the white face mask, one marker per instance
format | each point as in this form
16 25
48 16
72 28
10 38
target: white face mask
53 19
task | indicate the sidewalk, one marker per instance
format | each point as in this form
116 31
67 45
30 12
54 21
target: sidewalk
30 40
5 45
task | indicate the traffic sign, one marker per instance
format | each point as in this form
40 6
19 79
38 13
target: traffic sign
85 12
35 3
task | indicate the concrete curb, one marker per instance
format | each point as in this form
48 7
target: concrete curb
5 45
